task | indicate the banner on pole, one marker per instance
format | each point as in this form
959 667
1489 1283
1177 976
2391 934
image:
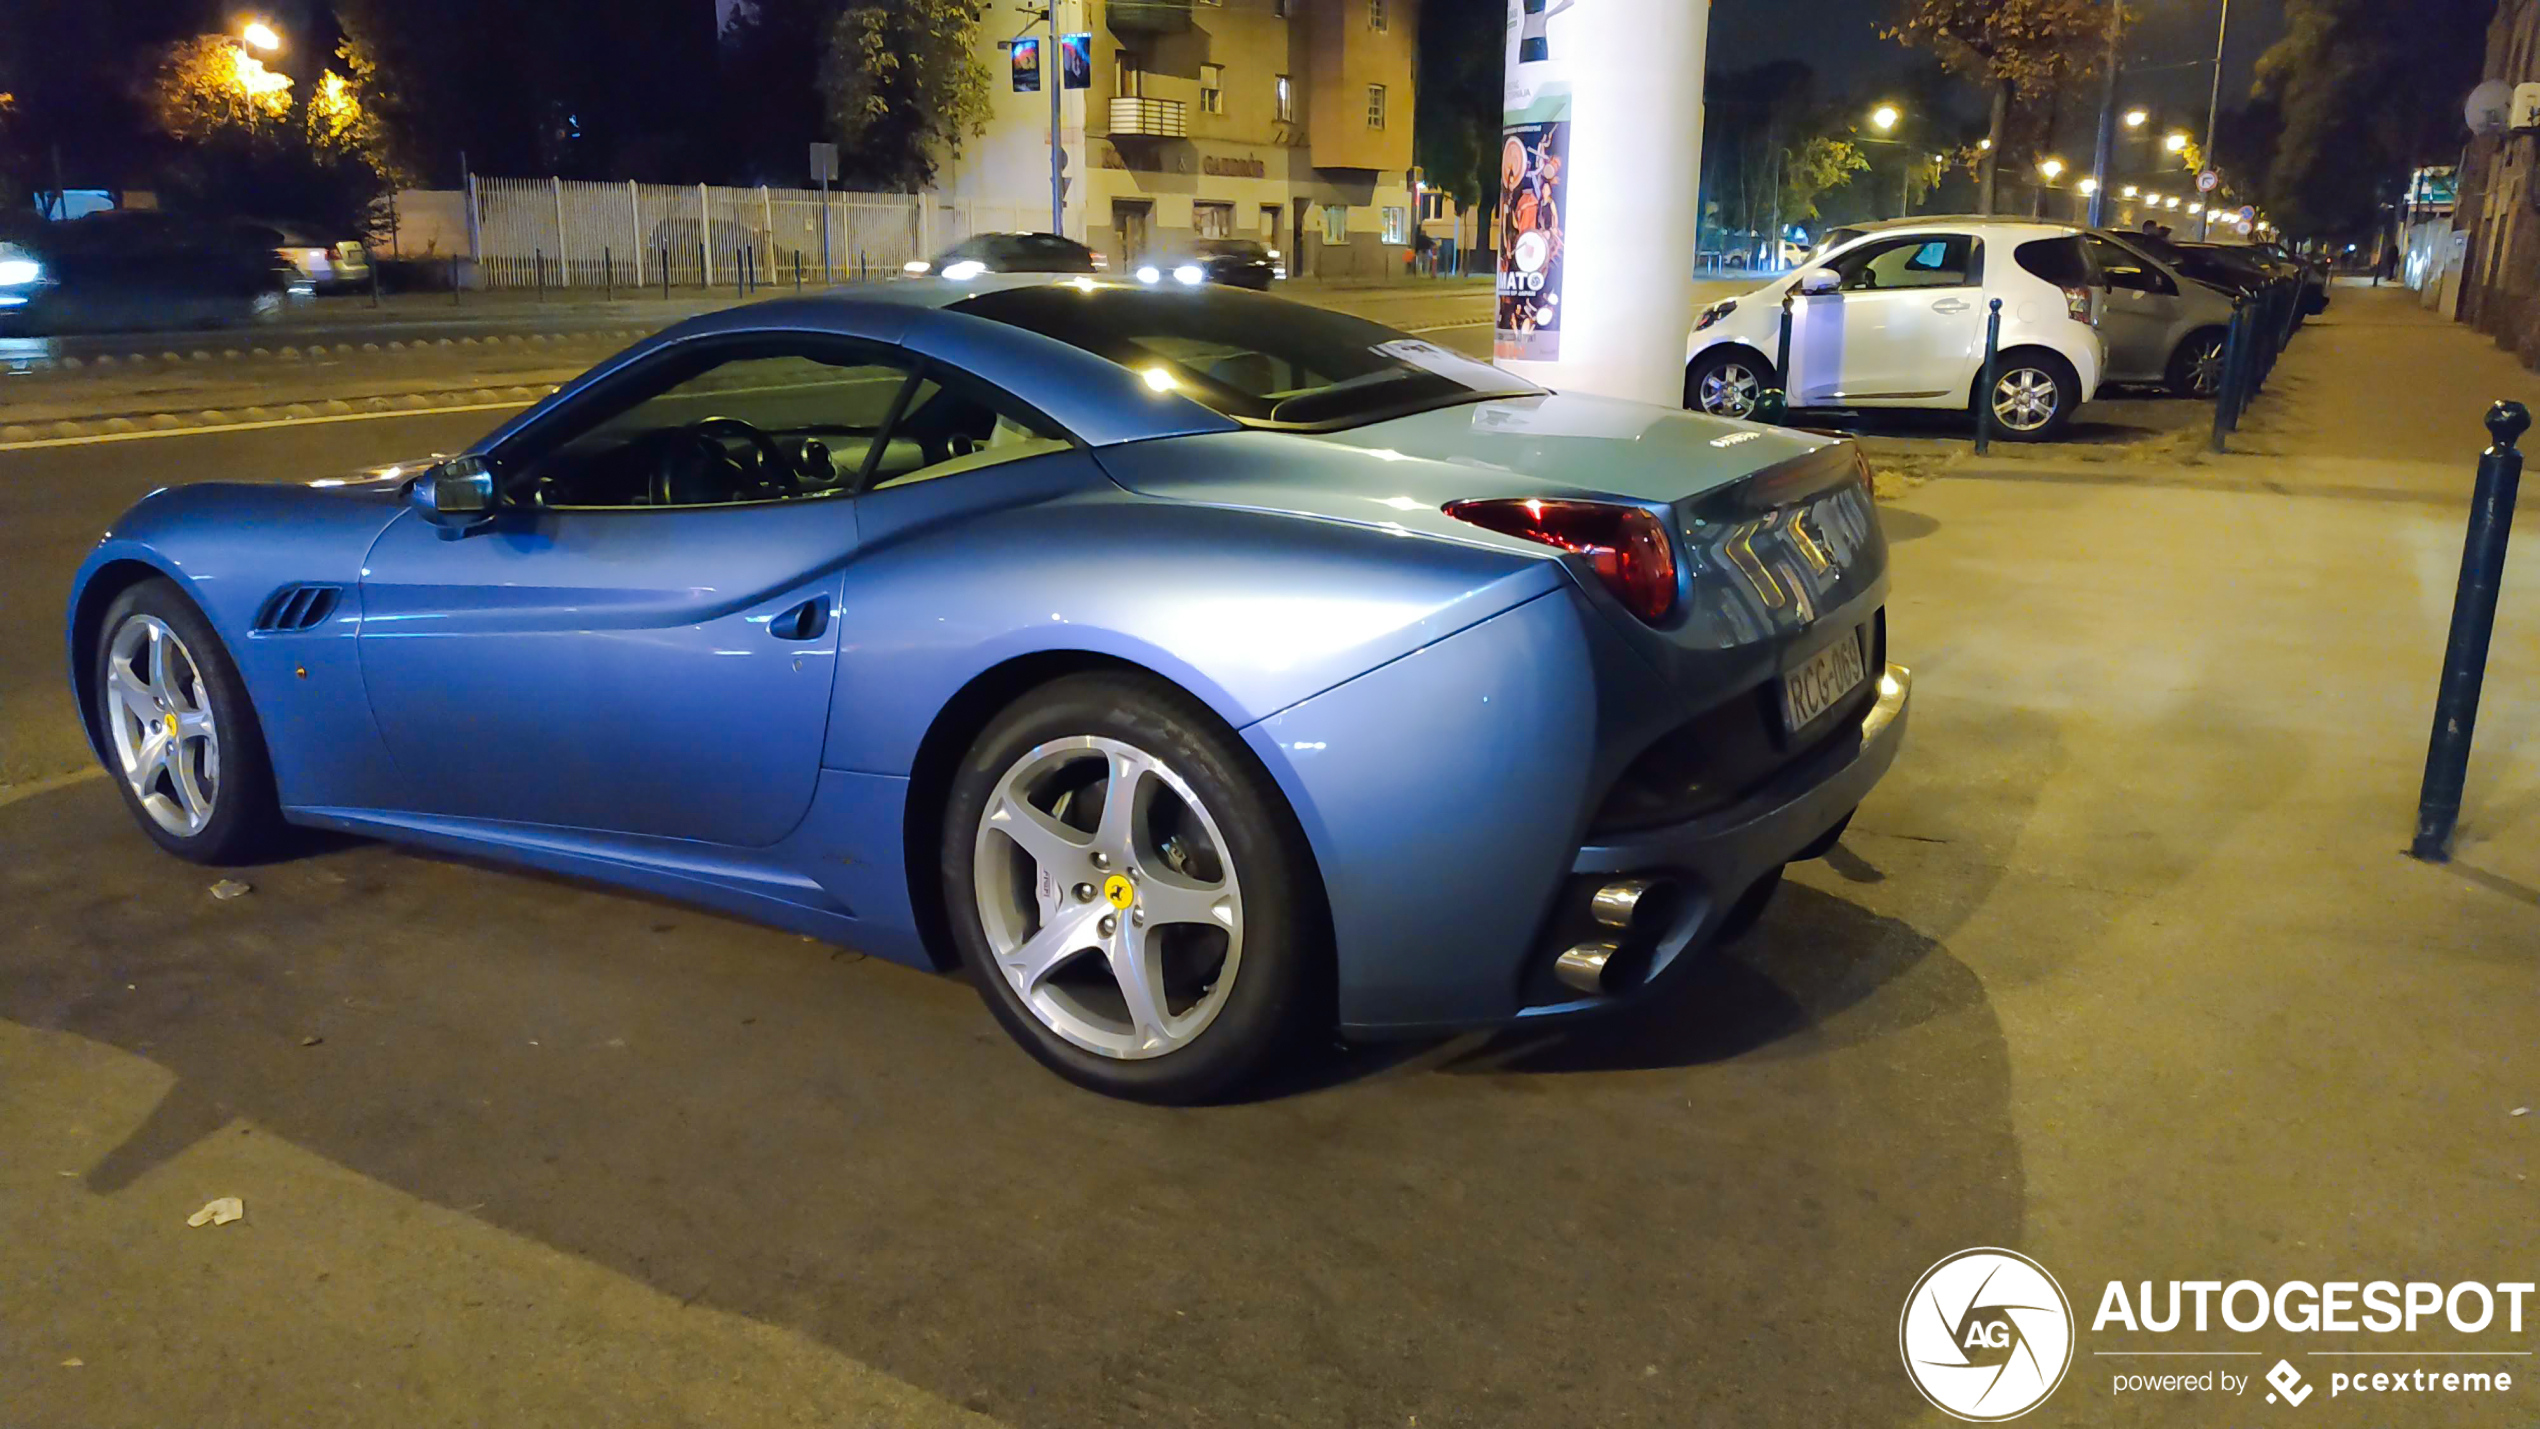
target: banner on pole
1534 182
1025 56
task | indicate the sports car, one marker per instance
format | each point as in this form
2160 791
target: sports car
1194 668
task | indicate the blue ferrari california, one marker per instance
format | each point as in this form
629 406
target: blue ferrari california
1195 667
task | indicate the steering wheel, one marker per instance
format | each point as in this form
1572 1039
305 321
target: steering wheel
682 473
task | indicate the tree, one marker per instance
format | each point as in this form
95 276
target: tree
904 87
2365 92
252 143
2015 49
1813 166
1455 133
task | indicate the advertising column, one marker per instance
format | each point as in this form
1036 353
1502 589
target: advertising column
1599 161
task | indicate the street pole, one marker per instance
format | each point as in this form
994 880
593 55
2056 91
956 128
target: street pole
1054 79
2105 155
2213 112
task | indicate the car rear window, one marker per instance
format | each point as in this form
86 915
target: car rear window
2057 260
1039 253
1262 361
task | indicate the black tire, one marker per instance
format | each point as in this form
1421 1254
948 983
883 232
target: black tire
1714 378
245 824
2195 370
1281 971
2011 367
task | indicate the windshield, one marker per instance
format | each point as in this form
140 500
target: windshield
1229 248
1263 361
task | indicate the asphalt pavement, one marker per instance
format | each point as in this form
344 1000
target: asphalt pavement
2120 968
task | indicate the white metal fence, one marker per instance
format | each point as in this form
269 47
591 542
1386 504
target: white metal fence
575 234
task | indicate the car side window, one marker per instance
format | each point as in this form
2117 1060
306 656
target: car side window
1935 260
952 425
762 423
2123 269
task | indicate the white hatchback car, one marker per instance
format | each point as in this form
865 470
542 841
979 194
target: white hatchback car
1896 318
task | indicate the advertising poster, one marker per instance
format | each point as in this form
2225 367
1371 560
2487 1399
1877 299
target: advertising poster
1025 55
1076 59
1534 182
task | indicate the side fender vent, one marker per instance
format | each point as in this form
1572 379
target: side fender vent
296 608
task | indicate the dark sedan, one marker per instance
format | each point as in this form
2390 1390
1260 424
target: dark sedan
1228 262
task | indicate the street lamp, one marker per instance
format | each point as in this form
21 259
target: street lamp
2135 118
2087 187
260 36
2129 191
1884 117
2195 208
2176 143
2171 201
2050 168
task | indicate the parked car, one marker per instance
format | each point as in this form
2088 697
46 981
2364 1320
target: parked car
2160 325
1896 318
124 270
2314 272
1068 630
1007 253
1233 262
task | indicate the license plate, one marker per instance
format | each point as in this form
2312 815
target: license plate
1821 684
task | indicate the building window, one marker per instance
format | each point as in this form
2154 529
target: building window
1336 224
1133 80
1375 14
1375 106
1397 225
1213 220
1287 101
1212 89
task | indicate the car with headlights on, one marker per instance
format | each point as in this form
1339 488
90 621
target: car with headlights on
1197 670
987 253
1233 262
1895 318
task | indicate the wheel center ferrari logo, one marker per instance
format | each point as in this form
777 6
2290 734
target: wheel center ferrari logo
1120 891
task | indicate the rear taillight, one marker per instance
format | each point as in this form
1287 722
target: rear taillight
1627 546
2077 304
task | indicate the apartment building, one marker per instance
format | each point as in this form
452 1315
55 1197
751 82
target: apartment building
1287 121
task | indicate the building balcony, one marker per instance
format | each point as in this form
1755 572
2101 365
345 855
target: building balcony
1149 17
1137 118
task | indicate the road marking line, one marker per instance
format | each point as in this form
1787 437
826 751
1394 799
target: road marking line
12 793
316 421
1445 327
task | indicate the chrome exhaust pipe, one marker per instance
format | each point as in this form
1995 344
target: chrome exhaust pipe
1582 968
1617 903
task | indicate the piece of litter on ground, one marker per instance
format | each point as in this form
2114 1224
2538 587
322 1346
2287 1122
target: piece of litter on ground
311 1041
2522 1111
218 1212
73 1362
229 888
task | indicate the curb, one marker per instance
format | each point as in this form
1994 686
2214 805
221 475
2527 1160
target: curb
289 352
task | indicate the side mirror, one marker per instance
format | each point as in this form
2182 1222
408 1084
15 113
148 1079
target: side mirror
1819 280
457 496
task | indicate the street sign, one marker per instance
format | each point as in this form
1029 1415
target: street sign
2248 214
824 163
2208 181
2246 227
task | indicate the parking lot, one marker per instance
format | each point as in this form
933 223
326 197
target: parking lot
2088 976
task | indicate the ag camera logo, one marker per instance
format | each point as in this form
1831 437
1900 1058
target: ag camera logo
1986 1335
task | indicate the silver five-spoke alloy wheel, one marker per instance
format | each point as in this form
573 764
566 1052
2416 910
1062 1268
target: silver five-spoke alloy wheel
1729 390
2025 399
159 720
1107 898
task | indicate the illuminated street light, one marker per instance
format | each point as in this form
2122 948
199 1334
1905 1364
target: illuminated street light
2051 168
2171 201
2134 118
260 35
2176 143
2195 208
2088 187
1884 117
1984 143
2129 191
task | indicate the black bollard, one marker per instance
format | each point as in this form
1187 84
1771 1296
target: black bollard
665 272
608 274
2227 377
1773 403
538 267
454 280
1992 374
2491 526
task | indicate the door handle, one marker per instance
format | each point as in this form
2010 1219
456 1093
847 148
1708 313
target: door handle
1949 305
803 622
